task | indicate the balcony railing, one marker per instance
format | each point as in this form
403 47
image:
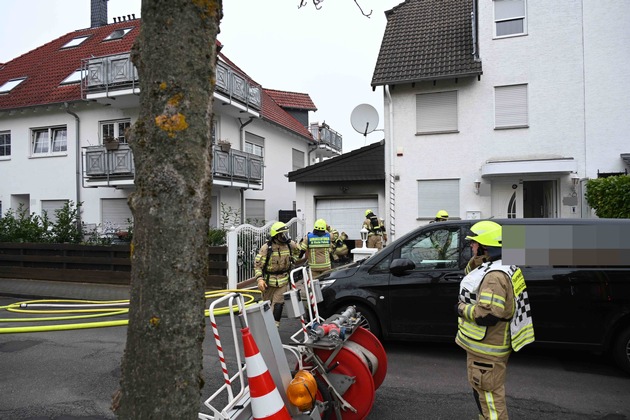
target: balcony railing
111 73
326 136
102 167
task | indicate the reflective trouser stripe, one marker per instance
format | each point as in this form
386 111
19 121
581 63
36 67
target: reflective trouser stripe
492 410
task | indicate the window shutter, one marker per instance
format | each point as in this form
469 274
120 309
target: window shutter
435 195
115 212
511 106
298 159
50 206
436 112
255 212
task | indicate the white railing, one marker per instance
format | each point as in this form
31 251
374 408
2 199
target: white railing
243 243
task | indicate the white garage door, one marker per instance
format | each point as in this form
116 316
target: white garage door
345 214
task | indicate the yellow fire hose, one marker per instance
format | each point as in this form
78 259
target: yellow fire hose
92 309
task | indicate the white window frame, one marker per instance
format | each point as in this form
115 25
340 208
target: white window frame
118 34
49 141
436 112
503 15
436 194
5 144
254 144
74 77
74 42
115 129
511 107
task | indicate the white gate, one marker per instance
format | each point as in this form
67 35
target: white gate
243 243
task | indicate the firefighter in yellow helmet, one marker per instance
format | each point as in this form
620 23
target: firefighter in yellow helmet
479 255
441 216
316 245
494 318
272 265
338 248
376 230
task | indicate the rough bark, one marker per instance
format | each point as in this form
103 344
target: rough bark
175 55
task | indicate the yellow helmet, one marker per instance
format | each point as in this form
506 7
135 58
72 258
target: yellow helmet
277 228
487 233
320 224
441 215
368 211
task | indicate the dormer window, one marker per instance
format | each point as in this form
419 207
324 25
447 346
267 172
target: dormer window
74 77
75 41
10 85
117 34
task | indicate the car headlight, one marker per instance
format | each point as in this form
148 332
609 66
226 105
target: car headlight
325 283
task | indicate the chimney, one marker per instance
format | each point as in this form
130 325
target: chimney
99 13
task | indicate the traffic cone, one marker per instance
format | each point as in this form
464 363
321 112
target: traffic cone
267 403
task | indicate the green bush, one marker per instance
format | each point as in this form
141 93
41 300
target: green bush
20 226
609 197
216 237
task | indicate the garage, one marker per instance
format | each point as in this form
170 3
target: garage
345 214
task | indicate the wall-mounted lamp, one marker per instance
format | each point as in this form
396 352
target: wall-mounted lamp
575 180
364 236
477 185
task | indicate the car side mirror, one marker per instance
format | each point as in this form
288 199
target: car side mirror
400 266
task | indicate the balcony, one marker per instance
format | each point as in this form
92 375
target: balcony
115 168
329 142
115 76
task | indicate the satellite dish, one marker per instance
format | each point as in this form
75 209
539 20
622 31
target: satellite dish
364 119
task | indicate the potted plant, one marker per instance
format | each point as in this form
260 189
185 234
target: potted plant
225 145
111 143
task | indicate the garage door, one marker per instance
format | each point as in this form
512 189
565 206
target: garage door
345 214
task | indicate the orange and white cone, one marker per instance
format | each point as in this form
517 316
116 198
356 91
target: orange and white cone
267 403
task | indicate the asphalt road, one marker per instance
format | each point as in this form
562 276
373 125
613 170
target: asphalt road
71 375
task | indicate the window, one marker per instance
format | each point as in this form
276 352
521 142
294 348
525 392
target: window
5 143
509 18
117 34
255 212
47 141
215 131
50 208
434 195
10 85
75 41
254 144
116 214
436 112
74 77
510 106
115 129
298 159
435 249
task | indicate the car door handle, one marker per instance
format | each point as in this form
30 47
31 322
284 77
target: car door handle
453 277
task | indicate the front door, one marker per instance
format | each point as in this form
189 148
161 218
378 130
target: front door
507 200
517 199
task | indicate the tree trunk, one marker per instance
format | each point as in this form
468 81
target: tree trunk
175 55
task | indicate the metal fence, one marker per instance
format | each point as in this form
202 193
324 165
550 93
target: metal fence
244 241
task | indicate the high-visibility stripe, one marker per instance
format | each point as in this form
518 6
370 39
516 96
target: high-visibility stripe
492 299
255 365
492 409
523 337
472 330
488 349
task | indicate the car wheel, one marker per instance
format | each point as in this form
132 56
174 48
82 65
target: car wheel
369 321
621 350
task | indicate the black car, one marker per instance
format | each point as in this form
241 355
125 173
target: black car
407 291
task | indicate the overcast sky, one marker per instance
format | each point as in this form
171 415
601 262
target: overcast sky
328 53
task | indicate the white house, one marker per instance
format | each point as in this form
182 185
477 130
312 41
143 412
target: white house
62 103
502 108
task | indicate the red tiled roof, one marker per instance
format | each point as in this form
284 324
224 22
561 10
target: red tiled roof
47 66
293 100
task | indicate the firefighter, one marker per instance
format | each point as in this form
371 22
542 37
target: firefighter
273 263
316 245
338 248
494 318
478 253
376 230
440 216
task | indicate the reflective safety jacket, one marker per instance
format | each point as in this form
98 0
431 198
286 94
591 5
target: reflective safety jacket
274 262
318 250
496 316
374 226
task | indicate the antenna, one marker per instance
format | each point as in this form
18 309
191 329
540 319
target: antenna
364 119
